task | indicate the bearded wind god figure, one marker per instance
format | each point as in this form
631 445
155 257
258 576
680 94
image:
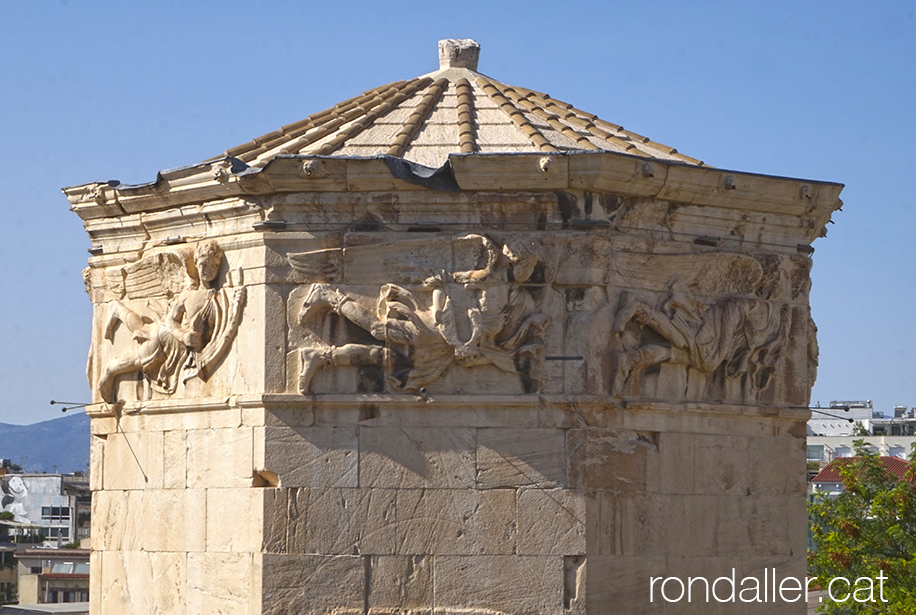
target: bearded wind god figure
194 331
738 337
419 324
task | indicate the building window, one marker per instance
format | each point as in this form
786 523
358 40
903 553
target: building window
62 568
58 595
60 514
816 452
54 532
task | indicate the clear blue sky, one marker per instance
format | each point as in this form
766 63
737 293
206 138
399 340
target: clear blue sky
119 90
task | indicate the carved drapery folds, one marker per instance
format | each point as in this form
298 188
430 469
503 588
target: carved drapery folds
731 342
550 313
475 313
178 323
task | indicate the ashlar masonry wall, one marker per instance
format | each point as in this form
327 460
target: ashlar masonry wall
349 393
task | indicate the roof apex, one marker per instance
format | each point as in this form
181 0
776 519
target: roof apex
449 111
459 53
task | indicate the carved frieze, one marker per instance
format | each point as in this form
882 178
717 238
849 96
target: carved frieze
718 330
179 323
467 301
550 313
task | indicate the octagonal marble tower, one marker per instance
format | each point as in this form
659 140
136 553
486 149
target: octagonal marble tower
448 347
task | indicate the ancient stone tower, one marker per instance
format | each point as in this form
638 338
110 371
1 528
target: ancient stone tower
452 347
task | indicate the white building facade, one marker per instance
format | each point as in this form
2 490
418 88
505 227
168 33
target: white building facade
50 502
833 431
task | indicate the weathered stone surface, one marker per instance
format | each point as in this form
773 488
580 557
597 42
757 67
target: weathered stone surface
451 411
551 522
198 417
174 459
419 521
312 456
133 461
235 520
138 583
575 588
749 465
96 575
621 584
773 465
619 524
295 584
677 467
563 413
740 526
406 457
520 458
108 506
398 583
456 522
276 515
613 460
96 462
220 457
162 509
726 464
340 521
223 583
491 582
166 509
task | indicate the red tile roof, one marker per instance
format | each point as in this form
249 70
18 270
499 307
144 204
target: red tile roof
895 466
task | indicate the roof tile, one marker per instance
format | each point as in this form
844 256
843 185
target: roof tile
455 109
895 466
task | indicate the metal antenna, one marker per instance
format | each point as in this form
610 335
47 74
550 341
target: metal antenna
833 416
72 405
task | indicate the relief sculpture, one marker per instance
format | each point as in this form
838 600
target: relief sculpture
735 339
512 314
434 315
179 323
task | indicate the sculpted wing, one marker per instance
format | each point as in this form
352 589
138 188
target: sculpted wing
164 274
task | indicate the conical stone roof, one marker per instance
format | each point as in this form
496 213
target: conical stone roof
453 110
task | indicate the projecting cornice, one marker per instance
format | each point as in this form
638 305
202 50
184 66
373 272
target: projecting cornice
613 173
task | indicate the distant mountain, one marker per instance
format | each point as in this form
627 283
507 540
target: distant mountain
57 446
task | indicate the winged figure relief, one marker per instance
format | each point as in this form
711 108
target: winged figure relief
180 323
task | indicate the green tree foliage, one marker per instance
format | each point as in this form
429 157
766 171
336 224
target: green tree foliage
867 531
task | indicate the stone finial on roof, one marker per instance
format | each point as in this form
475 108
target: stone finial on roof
459 53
